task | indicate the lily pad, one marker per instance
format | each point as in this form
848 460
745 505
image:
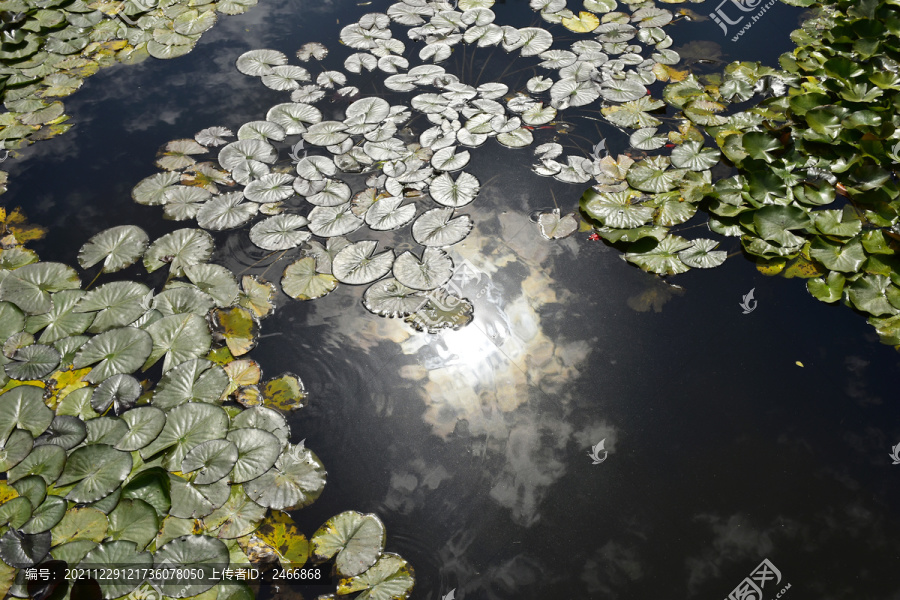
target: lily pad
29 287
280 232
301 280
121 350
390 577
24 407
296 480
358 264
179 249
257 452
117 247
178 338
195 552
33 362
436 228
119 391
187 425
196 380
98 469
356 539
285 392
212 460
431 271
144 424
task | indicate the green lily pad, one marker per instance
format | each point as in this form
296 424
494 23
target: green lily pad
22 550
29 287
356 539
266 419
17 447
663 258
33 362
98 469
846 258
105 430
107 556
197 552
196 380
119 391
693 156
875 294
215 280
186 426
116 304
153 487
144 424
192 501
46 461
61 321
295 481
65 431
239 516
257 452
178 338
46 516
16 512
390 578
301 281
121 350
117 247
212 460
135 521
703 254
24 407
179 249
828 289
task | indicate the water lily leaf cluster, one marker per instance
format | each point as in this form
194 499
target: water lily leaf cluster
105 468
814 145
295 200
49 47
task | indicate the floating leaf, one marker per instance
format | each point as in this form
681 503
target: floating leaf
202 554
33 362
295 481
693 156
121 350
29 287
17 447
390 577
279 532
330 221
554 227
133 521
585 22
301 280
23 407
59 322
98 469
663 258
65 431
257 452
358 264
357 539
431 271
389 213
21 550
116 304
46 461
239 516
280 232
178 338
179 249
227 211
390 298
119 391
212 460
144 424
236 327
186 426
117 247
703 254
436 228
285 392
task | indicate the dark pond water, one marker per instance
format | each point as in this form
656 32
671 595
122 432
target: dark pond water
472 446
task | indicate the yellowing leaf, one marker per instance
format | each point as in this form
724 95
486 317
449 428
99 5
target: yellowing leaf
583 23
285 393
236 326
280 533
667 73
221 356
7 492
772 267
257 296
241 372
248 395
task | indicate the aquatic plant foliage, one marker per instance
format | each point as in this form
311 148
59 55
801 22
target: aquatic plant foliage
815 147
106 469
49 47
297 157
